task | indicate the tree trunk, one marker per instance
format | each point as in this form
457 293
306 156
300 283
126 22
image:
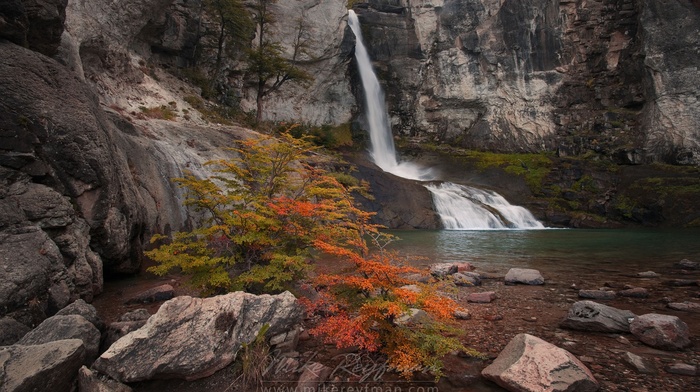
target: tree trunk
259 100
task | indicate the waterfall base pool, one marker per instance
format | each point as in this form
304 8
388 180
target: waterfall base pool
556 251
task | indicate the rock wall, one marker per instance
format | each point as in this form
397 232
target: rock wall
83 185
612 76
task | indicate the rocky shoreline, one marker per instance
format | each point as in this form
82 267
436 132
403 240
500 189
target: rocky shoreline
643 335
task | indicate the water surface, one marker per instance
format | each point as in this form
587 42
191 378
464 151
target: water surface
565 251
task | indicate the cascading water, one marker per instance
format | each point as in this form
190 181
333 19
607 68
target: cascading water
383 151
460 207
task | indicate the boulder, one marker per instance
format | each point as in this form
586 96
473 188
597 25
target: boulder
661 331
481 298
156 294
441 270
89 381
66 327
33 368
685 306
11 331
592 316
466 279
82 308
596 294
191 338
524 276
529 363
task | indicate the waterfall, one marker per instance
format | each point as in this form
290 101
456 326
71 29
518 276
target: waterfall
383 152
459 206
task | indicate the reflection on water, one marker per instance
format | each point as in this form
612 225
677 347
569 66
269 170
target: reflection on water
561 251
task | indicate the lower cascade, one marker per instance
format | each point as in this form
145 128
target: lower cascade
463 207
460 207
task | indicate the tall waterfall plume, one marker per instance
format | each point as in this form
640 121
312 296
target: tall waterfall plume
460 207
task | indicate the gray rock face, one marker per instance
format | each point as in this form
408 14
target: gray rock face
166 347
33 368
58 328
529 363
661 331
592 316
524 276
448 67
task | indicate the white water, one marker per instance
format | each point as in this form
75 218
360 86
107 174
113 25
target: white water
460 207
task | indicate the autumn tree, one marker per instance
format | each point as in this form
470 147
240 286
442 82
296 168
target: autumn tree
267 65
376 308
263 212
267 212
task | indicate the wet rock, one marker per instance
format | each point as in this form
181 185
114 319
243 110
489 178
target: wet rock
441 270
685 306
639 364
166 347
636 292
481 298
155 294
33 368
648 274
529 363
596 294
468 279
11 331
66 327
592 316
524 276
82 308
313 376
683 369
89 381
687 264
661 331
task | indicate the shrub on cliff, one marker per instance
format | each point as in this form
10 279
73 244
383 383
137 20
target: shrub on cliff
263 211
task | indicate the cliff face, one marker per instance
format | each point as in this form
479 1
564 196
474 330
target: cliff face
613 76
